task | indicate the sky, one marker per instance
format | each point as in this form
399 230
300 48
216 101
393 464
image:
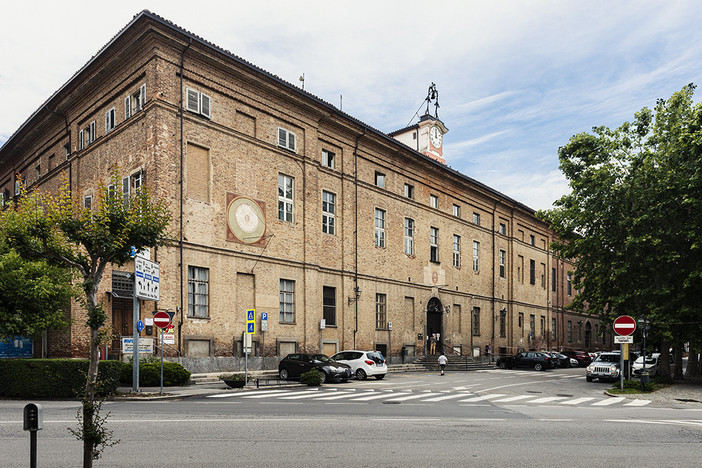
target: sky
516 78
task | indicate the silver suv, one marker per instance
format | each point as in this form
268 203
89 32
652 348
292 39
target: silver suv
605 367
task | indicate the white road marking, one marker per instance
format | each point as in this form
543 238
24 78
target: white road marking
577 401
447 397
547 399
376 397
298 396
609 401
409 397
638 402
337 396
514 398
266 394
482 398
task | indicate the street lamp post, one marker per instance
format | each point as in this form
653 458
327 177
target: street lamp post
644 324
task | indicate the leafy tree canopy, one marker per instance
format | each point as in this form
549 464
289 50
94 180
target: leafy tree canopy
633 220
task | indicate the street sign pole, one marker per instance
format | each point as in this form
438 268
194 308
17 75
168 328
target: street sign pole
135 343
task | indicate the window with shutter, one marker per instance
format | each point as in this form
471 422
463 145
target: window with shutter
127 107
192 100
125 190
286 139
205 105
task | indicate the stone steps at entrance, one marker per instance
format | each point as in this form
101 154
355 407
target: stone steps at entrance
455 363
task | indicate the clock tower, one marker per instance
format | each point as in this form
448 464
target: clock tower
427 135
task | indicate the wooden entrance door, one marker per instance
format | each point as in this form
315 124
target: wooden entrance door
122 323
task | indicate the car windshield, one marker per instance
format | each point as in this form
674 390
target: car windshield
321 358
608 358
649 360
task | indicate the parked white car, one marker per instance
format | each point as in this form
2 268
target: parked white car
363 363
652 365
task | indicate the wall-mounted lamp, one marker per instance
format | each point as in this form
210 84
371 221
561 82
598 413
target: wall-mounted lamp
357 294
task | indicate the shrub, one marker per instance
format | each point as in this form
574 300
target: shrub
634 385
174 374
54 378
238 376
312 378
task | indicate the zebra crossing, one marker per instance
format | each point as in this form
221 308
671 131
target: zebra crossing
457 397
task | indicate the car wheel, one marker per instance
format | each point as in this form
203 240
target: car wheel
284 374
503 365
361 374
588 378
380 377
538 366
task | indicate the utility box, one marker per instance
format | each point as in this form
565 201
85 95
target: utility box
33 417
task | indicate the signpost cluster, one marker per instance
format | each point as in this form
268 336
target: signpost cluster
624 326
147 287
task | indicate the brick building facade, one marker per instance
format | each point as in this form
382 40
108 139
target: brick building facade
283 203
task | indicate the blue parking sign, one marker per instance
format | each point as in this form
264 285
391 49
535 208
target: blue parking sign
264 315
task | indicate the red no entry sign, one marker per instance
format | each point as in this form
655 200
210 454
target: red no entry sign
624 325
162 319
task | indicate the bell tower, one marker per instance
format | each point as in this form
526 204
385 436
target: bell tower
427 135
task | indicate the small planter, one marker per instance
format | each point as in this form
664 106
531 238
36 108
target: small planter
235 383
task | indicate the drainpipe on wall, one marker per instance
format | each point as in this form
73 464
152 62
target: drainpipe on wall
492 342
180 182
355 230
70 148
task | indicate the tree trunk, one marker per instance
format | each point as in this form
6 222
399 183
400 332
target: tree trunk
693 362
664 361
89 398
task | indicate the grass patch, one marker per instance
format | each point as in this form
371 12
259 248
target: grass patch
632 387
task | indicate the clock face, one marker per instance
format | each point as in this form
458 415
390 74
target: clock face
246 220
435 137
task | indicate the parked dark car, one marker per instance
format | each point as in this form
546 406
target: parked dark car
560 360
294 365
582 357
526 360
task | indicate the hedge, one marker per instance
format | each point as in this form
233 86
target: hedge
54 378
174 374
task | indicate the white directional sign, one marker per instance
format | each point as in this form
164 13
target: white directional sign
147 283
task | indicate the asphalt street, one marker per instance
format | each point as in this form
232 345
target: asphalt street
414 419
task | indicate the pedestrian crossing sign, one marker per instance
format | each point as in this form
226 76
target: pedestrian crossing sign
250 328
250 315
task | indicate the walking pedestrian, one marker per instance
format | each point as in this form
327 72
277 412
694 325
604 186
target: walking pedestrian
442 363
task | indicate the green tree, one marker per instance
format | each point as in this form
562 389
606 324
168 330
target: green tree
34 295
56 227
633 220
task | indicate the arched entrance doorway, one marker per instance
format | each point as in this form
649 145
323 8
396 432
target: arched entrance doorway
588 335
434 324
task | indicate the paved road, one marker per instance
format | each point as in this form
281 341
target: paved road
358 424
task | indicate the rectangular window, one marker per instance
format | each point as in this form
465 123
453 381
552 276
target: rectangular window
503 261
532 327
86 136
109 120
553 329
553 279
543 275
521 322
570 284
434 201
520 269
329 305
570 331
380 179
409 191
381 313
125 190
197 102
328 158
409 236
285 198
286 139
434 244
476 321
532 272
127 107
476 219
476 256
198 292
379 228
88 202
456 251
67 150
328 212
138 181
287 301
503 229
542 325
503 323
37 171
456 211
532 240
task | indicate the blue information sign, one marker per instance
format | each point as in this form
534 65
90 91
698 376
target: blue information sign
250 328
140 325
250 314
